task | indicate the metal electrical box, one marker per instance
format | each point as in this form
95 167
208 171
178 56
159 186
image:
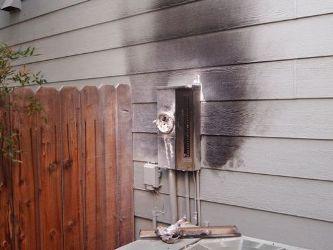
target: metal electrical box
178 123
151 176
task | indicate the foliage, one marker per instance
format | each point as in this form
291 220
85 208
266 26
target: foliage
11 77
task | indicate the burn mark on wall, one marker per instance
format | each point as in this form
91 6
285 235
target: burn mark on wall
221 85
220 151
221 116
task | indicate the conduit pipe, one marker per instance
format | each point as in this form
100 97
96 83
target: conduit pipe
187 197
195 199
198 196
173 195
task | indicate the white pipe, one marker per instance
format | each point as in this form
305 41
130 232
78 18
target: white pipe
173 195
187 197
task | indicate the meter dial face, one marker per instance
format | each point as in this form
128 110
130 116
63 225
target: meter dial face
165 123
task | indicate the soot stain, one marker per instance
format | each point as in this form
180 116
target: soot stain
217 85
220 88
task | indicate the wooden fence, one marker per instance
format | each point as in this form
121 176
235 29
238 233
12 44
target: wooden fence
72 186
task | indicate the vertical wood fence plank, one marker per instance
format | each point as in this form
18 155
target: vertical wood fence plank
72 168
6 241
89 105
24 173
124 164
107 111
100 178
50 170
5 235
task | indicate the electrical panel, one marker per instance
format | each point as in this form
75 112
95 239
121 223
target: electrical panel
178 123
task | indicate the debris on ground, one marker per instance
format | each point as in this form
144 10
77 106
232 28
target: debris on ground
183 229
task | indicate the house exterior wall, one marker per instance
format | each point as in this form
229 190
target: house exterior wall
266 69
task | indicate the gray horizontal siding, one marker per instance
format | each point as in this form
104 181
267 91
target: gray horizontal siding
143 117
313 7
310 159
305 78
139 29
276 41
311 118
93 12
29 11
304 198
142 28
145 147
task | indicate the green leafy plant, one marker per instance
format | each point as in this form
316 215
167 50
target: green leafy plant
11 77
